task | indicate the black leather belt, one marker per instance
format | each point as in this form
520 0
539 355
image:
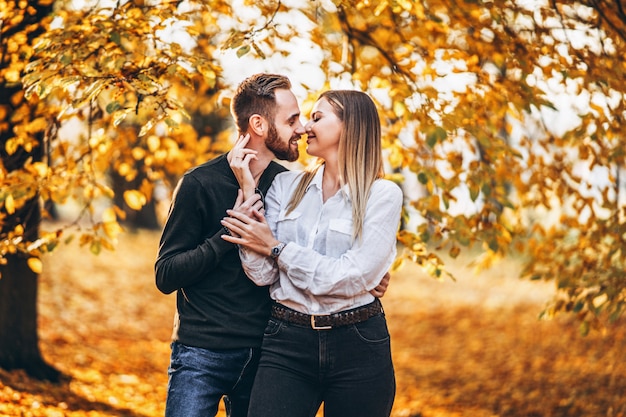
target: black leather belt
328 321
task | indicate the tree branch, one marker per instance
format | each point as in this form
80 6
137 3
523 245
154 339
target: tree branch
364 38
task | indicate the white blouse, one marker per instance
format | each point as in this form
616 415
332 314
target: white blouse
322 270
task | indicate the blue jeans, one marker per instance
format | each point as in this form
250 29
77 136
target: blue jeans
199 378
347 368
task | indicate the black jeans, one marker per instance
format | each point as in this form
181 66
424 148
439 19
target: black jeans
348 368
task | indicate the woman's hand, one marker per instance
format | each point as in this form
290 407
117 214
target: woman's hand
252 232
239 159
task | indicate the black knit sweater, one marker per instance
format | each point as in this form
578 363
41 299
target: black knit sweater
218 307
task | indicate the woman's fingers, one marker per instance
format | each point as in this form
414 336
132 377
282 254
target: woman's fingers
239 156
234 226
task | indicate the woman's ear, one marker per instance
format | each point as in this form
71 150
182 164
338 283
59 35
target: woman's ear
258 125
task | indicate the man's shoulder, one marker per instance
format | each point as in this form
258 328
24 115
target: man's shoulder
276 168
269 174
216 168
211 174
218 163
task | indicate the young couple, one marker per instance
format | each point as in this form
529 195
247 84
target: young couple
320 240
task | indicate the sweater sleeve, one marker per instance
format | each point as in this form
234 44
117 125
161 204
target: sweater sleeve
186 254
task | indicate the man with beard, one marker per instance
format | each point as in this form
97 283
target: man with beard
220 313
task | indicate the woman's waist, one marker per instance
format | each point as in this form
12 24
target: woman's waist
319 305
328 321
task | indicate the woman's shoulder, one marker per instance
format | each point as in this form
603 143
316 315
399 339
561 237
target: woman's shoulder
385 186
286 180
291 173
287 177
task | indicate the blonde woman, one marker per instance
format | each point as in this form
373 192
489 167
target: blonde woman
327 236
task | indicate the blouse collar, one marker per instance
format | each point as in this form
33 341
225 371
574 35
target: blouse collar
317 182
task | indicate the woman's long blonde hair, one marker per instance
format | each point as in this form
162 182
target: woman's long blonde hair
359 155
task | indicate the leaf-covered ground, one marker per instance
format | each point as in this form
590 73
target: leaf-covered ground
468 348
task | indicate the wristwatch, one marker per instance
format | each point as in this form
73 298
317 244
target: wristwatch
276 250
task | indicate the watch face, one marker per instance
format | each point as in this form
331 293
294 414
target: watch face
276 250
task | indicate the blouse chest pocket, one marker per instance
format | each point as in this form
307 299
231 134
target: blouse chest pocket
339 235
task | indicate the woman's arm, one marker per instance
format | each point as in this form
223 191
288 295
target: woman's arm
239 159
357 270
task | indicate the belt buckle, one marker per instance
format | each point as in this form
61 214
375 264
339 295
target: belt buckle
316 327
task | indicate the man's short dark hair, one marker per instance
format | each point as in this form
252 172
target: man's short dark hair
256 95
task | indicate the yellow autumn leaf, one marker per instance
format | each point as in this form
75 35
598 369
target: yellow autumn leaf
19 230
138 154
395 157
153 143
41 169
9 204
95 247
112 229
12 75
124 169
108 215
135 199
399 108
35 265
37 125
11 145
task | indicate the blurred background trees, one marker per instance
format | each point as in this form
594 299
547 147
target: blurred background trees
502 122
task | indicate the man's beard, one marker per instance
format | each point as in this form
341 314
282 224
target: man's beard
280 149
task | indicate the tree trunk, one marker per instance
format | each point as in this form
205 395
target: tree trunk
19 343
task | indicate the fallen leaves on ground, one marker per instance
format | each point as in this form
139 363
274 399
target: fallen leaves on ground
473 347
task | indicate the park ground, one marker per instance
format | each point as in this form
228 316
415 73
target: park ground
471 347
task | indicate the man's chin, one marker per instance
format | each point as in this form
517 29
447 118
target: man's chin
293 156
287 156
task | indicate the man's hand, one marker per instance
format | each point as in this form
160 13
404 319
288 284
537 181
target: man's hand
381 288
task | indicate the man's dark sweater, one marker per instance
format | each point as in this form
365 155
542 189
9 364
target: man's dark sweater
218 307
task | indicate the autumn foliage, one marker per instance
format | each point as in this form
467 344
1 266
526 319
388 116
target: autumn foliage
503 123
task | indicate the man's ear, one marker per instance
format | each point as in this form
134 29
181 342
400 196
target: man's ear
258 125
